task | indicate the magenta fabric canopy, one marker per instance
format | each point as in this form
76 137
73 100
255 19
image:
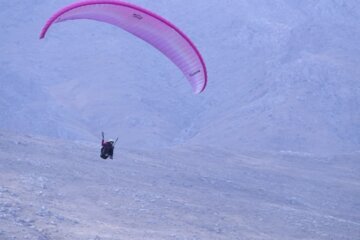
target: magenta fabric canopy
146 25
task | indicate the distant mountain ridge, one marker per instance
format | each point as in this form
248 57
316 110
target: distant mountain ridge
282 76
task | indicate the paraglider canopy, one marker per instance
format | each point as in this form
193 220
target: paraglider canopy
146 25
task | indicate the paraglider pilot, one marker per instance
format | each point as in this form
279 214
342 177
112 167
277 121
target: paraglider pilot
107 149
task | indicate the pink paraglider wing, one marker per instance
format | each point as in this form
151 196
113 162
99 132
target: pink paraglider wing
146 25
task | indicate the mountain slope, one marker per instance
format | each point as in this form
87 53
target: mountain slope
51 189
285 77
27 108
282 76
